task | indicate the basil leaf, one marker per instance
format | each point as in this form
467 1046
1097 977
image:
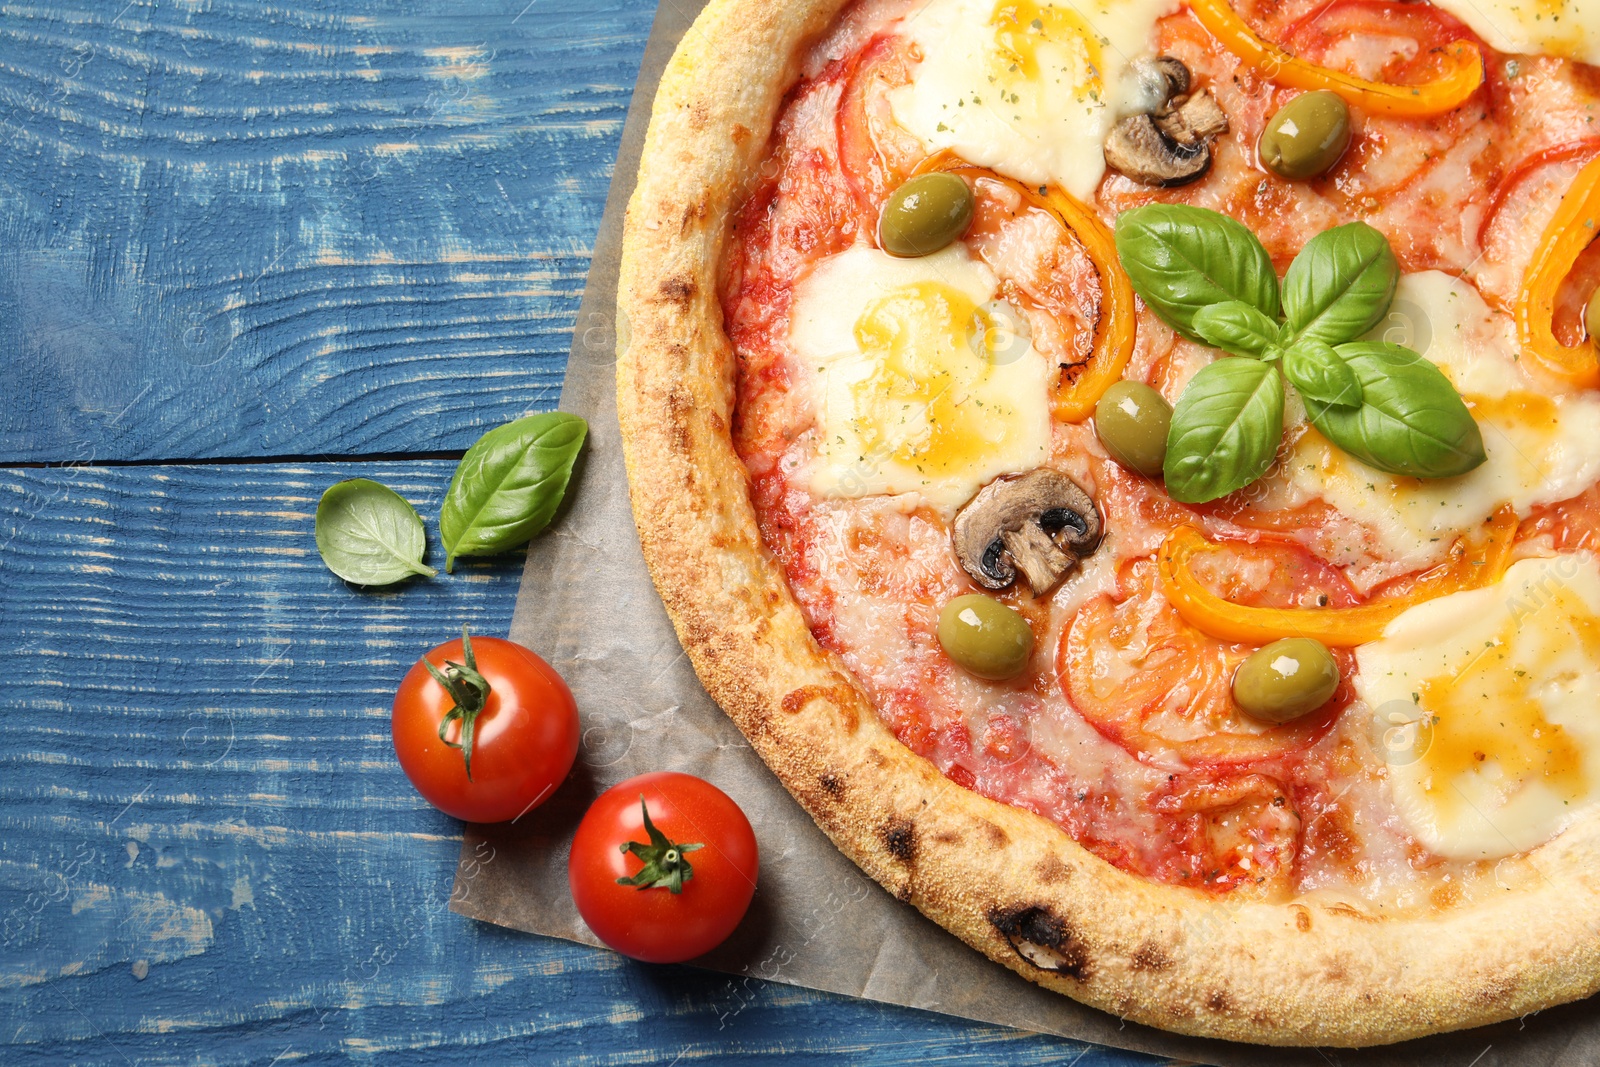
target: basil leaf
1225 430
1181 259
1341 284
1236 327
369 535
1411 420
509 484
1317 372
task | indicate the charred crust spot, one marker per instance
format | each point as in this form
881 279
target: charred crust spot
996 837
900 838
1043 939
878 758
1494 991
692 214
699 114
1219 1001
680 353
1302 918
739 133
831 784
679 291
1150 956
679 410
1051 870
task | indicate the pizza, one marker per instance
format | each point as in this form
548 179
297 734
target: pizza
1131 468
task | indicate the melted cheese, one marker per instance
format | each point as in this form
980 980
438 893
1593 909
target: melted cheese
918 380
1540 448
1507 683
1566 28
1029 89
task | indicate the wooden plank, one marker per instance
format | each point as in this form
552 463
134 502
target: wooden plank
208 852
235 229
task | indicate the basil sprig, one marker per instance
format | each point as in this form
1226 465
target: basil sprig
509 484
1209 278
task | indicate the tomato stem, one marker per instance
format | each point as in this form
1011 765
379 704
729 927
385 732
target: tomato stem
470 691
664 864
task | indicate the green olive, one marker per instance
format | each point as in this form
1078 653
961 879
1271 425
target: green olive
1286 679
1307 135
1591 317
924 215
1132 420
986 637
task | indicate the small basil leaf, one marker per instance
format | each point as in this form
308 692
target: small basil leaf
1225 430
509 484
1317 372
369 535
1236 327
1411 420
1181 259
1341 284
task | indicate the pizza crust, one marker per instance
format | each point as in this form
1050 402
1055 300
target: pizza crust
1009 883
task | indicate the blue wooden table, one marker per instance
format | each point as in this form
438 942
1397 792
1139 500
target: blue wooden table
248 249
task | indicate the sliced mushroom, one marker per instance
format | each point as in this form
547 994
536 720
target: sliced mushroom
1039 524
1171 145
1161 79
1195 121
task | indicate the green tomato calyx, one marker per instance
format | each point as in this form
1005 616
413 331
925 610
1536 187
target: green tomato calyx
664 864
470 691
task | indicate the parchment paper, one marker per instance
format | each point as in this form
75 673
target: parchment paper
586 604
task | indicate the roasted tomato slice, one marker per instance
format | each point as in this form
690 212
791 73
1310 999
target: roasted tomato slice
875 154
1572 525
1044 270
1230 832
1272 571
1157 686
1376 39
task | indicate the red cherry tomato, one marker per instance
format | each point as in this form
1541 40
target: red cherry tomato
521 740
696 825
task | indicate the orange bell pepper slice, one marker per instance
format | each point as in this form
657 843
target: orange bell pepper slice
1575 224
1114 332
1460 78
1469 567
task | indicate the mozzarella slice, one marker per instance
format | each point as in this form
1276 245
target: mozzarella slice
1028 89
920 380
1504 685
1566 28
1541 448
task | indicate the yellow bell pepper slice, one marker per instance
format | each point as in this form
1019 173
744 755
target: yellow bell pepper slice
1115 331
1469 567
1575 224
1462 74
